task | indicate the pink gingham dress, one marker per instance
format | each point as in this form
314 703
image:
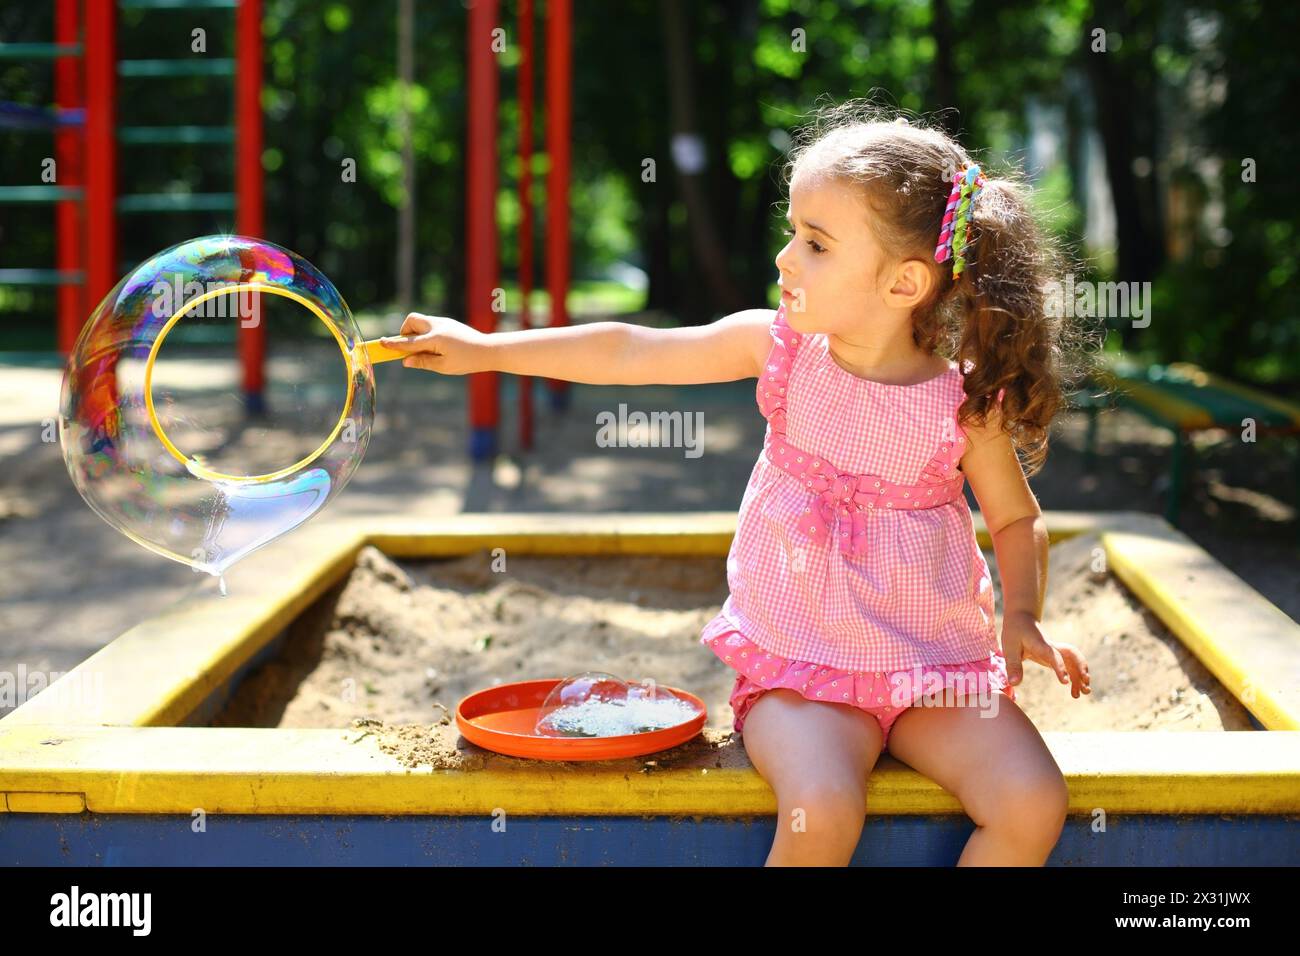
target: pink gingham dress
855 575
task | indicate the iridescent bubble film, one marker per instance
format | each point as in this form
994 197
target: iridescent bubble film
597 704
238 473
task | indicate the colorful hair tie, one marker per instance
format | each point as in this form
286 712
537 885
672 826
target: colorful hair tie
954 233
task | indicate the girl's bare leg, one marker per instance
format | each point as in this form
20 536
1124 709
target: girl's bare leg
1000 769
817 757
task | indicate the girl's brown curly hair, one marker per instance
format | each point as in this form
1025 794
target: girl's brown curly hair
993 320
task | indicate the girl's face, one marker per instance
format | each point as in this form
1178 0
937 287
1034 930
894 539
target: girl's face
828 267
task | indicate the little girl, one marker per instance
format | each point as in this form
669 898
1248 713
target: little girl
861 608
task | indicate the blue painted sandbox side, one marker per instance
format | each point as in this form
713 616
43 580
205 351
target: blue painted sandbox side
41 839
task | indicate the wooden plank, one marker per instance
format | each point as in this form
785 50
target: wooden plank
1248 643
287 771
1176 411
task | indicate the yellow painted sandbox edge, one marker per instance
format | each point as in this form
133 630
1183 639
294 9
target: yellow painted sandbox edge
234 770
1248 643
68 764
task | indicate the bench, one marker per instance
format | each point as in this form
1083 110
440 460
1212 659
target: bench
1185 399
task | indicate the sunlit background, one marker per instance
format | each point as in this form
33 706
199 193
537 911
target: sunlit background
1156 133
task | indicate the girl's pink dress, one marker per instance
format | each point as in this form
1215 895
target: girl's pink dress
855 576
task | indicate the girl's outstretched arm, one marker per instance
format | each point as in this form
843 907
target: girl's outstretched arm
1020 543
598 353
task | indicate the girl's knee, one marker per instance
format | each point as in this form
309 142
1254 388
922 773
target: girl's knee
1030 802
1051 794
825 807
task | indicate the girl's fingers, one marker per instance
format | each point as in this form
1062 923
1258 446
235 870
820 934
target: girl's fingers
1049 655
1014 671
429 361
1074 679
1080 681
1052 658
415 324
399 343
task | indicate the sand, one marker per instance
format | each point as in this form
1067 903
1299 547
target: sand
1240 504
391 650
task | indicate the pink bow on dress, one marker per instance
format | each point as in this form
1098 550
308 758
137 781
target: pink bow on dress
838 494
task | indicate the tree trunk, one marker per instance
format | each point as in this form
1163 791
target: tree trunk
701 225
1123 90
945 74
658 258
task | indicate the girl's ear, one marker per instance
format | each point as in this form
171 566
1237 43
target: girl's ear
910 284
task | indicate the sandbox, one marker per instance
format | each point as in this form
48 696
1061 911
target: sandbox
307 715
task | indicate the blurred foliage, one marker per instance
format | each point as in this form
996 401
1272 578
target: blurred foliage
1234 296
1208 80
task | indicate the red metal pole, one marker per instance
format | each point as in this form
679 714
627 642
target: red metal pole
68 145
526 206
480 219
559 73
248 181
101 149
98 380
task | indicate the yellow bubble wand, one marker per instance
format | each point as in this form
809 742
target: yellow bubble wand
374 351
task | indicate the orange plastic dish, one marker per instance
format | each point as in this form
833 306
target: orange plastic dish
502 719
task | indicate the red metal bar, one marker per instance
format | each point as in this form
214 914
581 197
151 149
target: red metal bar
559 85
101 149
481 268
526 206
98 380
68 144
248 179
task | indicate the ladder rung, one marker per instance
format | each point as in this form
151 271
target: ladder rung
177 67
178 4
38 51
25 194
26 119
177 202
162 135
40 277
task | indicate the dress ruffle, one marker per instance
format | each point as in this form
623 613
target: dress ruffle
771 387
941 468
887 692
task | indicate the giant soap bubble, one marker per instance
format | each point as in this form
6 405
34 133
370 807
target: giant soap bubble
597 704
157 433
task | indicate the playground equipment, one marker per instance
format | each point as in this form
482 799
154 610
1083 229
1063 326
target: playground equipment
1185 398
85 123
87 72
112 778
481 186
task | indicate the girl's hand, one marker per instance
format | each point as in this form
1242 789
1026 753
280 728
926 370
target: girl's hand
440 344
1022 637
